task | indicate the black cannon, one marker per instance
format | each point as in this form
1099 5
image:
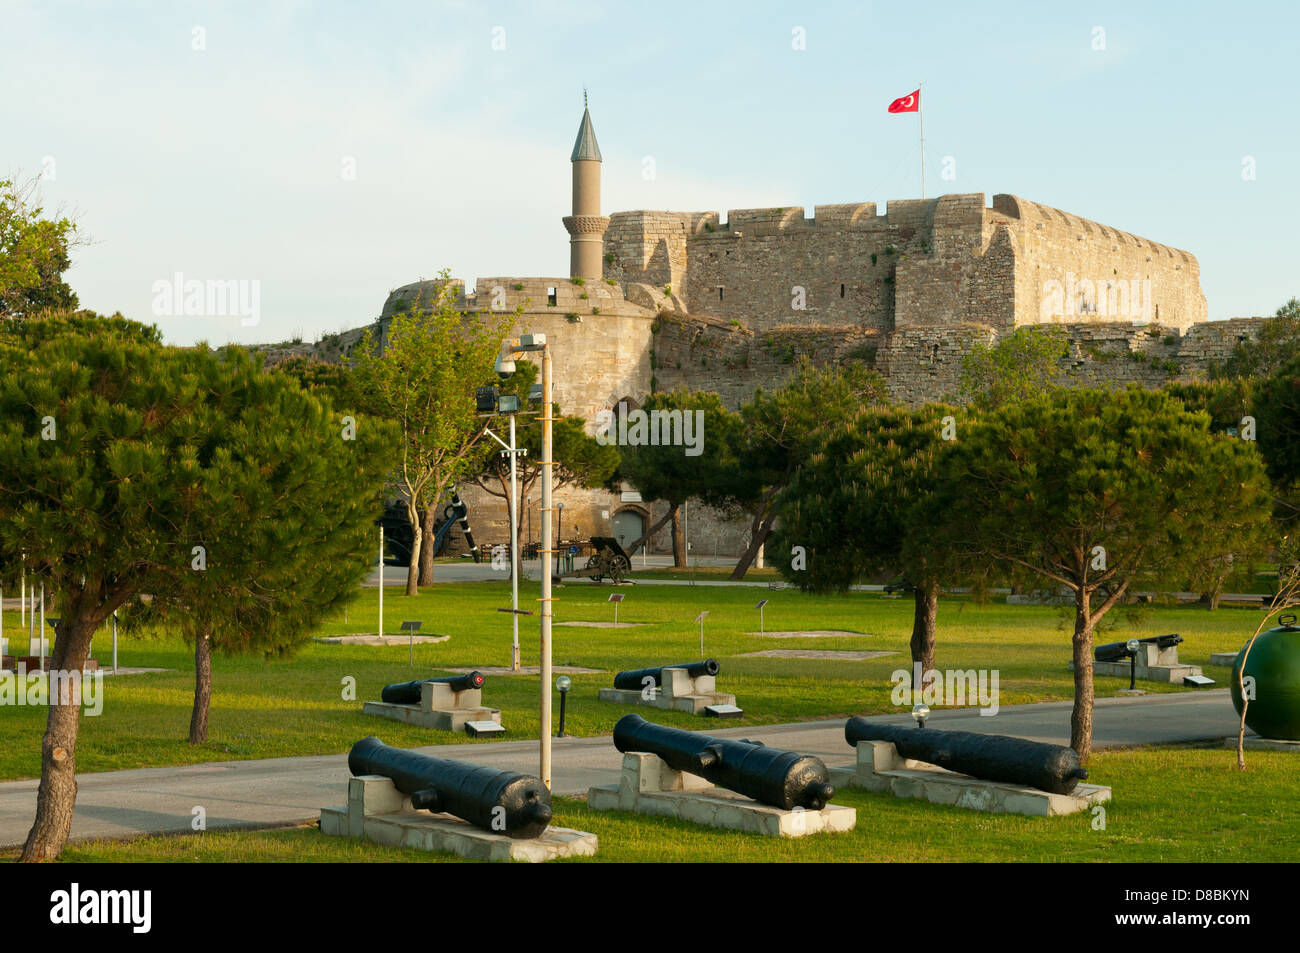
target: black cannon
635 679
503 802
408 693
989 757
771 776
1114 651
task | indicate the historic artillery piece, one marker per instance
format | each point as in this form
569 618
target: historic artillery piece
409 693
503 802
478 812
668 772
1154 658
1115 651
450 703
608 559
688 687
636 678
994 773
991 757
771 776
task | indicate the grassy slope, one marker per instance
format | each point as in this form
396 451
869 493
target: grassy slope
1219 815
267 709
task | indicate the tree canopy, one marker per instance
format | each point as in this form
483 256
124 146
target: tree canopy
850 509
673 471
33 253
781 429
1020 364
1097 491
433 361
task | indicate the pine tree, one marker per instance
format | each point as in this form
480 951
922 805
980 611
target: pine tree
123 463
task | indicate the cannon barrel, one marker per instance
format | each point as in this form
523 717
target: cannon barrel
771 776
1047 767
408 693
635 680
503 802
1114 651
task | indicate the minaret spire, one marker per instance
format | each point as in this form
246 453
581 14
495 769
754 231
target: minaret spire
586 226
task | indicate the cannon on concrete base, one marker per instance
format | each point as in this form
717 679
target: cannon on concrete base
1000 758
782 779
503 802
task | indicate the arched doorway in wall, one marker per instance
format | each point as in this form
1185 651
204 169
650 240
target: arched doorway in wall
627 526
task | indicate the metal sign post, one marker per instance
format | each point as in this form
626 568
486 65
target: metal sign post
616 598
114 641
381 581
759 607
700 619
410 628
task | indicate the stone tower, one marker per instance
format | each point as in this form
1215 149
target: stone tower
586 226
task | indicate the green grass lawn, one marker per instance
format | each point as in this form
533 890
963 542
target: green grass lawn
264 709
1171 804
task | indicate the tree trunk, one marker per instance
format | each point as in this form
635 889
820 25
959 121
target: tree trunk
924 621
413 567
645 537
751 552
429 517
679 539
1210 599
1081 716
57 794
760 530
202 688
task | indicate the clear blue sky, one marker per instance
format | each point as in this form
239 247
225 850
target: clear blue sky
225 162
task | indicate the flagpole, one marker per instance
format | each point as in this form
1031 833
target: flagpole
920 112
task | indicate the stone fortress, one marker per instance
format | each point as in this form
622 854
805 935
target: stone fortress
662 300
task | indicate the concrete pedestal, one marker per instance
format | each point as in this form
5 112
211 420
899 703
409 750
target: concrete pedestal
377 811
440 708
649 786
881 768
1154 664
679 692
1224 658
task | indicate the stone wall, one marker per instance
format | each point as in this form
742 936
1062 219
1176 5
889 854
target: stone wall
769 268
715 355
1070 268
923 263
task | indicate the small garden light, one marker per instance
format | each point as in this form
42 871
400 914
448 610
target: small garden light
1132 645
563 684
920 713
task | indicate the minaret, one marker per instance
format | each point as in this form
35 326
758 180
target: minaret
586 226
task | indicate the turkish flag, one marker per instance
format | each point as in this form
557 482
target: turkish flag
908 104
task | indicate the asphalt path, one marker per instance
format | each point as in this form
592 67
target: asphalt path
279 792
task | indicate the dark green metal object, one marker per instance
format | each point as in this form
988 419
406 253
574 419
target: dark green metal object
1274 664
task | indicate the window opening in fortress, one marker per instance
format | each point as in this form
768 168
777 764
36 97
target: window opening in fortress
841 291
550 297
719 293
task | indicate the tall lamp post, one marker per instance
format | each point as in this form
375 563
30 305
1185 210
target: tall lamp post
505 366
489 400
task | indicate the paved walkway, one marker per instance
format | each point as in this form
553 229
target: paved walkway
284 791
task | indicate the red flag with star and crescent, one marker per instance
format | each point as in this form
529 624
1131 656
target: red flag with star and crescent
907 104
